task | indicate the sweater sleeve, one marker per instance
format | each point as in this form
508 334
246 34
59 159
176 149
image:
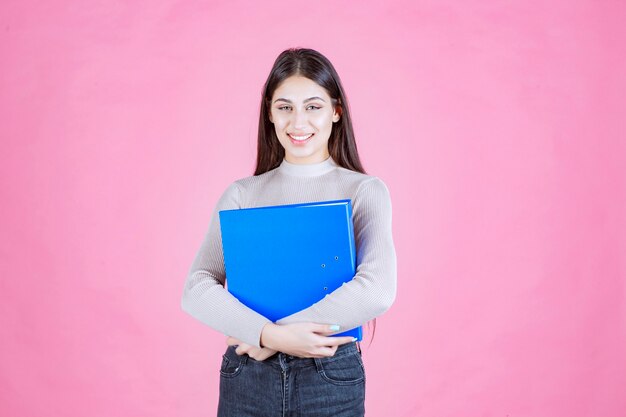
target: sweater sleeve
372 291
204 296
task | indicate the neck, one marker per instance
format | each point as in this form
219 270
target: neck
308 170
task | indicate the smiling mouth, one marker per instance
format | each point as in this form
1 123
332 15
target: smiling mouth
300 140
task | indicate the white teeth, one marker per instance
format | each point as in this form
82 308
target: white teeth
301 137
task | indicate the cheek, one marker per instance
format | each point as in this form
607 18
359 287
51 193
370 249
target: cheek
279 120
323 120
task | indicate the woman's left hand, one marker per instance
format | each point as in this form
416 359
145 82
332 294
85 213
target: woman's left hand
259 354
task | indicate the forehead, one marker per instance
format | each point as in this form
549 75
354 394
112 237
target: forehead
297 88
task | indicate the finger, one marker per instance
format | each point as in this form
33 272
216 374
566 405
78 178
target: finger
242 349
326 351
232 341
262 354
325 328
336 341
253 351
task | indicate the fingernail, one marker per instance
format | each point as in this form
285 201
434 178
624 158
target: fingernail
334 327
354 339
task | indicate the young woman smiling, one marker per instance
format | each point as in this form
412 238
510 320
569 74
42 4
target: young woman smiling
306 152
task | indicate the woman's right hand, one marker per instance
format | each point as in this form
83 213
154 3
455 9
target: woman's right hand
305 340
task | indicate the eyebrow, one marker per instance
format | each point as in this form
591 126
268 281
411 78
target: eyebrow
308 99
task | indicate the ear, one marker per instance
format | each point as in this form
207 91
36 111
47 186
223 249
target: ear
337 113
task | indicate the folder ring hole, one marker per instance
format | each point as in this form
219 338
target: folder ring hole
323 265
336 257
325 288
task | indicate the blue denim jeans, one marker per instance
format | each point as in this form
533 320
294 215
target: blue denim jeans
290 386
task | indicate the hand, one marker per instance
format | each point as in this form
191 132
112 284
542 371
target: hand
305 340
259 354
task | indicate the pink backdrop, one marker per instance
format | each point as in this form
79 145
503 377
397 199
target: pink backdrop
499 129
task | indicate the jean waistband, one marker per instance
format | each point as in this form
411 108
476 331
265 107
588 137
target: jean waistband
296 361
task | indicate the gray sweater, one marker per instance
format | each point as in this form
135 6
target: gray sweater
368 295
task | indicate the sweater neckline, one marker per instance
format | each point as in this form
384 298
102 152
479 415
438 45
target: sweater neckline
308 170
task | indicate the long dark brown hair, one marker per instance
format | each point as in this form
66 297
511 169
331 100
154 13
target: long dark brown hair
316 67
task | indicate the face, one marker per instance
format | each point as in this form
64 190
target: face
303 117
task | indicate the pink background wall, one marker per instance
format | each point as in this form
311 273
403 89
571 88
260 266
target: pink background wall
499 129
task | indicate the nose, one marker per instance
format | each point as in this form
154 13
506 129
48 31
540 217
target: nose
300 119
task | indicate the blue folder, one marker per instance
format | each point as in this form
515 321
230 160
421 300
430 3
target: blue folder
282 259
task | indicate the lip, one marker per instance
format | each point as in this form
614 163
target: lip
300 142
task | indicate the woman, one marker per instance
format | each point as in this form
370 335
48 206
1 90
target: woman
306 153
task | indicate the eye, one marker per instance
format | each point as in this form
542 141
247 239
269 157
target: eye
288 107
